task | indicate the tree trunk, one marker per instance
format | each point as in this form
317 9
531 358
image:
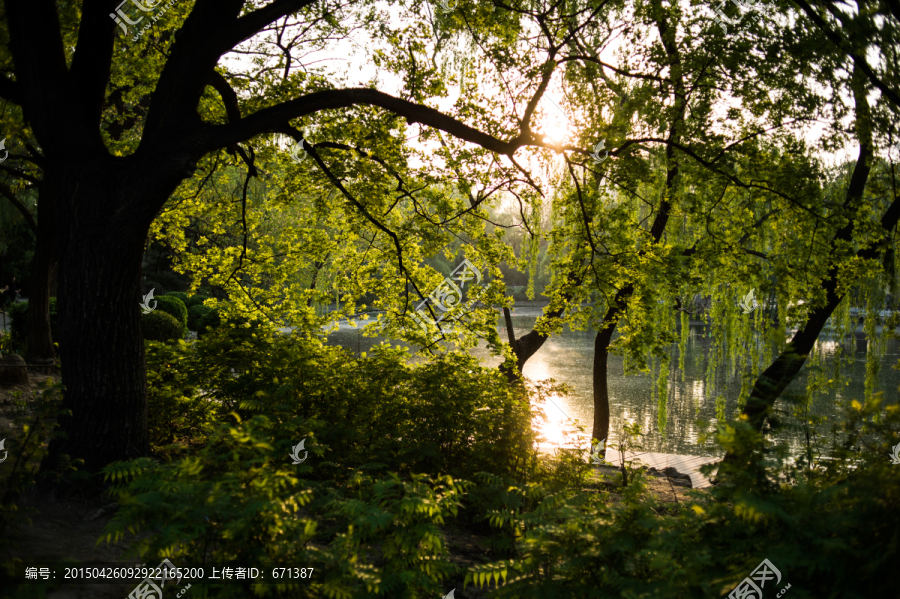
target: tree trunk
528 345
771 383
778 376
600 429
53 280
617 307
39 345
100 340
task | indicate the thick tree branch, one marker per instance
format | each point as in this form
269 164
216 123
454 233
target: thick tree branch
92 62
275 117
41 72
229 98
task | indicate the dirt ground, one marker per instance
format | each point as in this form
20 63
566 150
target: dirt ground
60 529
67 529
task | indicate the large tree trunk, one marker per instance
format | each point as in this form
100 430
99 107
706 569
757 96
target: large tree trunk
39 345
54 280
100 340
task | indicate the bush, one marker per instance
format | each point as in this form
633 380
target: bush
18 323
357 508
196 314
195 300
814 523
176 308
176 408
180 295
161 326
208 321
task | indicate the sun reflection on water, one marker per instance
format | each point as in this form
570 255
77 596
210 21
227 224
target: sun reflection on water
556 428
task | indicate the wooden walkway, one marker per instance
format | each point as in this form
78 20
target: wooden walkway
686 464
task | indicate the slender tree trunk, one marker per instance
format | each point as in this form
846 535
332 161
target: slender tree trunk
39 345
775 379
600 429
101 344
611 318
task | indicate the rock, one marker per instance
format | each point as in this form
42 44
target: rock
13 370
101 512
677 478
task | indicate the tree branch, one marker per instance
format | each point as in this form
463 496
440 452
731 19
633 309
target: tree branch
275 117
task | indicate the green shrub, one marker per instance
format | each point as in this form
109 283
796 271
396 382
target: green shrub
175 307
195 300
18 323
208 321
357 508
161 326
196 314
178 411
180 295
812 522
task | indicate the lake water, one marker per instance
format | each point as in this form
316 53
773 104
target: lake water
567 357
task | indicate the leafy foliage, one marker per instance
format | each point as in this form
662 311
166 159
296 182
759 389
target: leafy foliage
26 446
180 295
814 526
195 300
175 307
160 326
238 497
209 320
196 313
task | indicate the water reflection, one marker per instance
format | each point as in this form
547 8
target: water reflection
691 405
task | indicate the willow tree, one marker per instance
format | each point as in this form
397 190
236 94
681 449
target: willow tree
768 222
692 203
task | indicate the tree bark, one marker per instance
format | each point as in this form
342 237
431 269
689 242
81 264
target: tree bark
528 345
101 345
39 345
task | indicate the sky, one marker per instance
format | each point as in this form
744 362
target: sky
349 64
